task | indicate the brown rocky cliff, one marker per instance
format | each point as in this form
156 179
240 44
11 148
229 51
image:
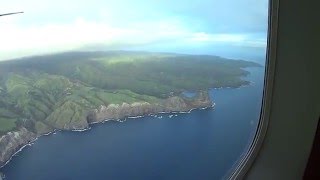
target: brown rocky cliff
12 142
171 104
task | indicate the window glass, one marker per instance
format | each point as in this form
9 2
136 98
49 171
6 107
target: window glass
129 89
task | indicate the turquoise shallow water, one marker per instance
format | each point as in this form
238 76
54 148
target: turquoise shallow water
204 144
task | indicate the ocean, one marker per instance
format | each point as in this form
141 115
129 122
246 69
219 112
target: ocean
203 144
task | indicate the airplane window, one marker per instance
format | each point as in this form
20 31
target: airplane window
129 89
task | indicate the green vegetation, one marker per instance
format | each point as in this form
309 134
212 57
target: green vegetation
46 92
7 124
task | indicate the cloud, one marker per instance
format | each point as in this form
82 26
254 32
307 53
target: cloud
217 37
58 25
245 40
57 37
21 40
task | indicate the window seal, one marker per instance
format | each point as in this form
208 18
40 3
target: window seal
271 54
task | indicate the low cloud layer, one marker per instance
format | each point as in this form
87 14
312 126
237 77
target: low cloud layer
21 35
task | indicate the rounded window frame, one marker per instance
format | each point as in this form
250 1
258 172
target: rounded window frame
247 161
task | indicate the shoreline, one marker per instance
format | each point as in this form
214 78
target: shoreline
53 132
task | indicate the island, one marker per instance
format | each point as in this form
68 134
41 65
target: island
71 90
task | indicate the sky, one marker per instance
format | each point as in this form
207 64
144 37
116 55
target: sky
49 26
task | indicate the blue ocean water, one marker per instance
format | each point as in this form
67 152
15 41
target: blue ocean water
204 144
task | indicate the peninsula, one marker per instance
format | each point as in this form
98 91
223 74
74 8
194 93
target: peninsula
70 91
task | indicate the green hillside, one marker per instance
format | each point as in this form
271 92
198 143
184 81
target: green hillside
46 92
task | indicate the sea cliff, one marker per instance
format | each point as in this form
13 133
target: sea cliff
12 142
171 104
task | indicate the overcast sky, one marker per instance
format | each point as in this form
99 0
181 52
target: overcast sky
61 25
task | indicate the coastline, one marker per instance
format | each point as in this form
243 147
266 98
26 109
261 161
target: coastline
121 120
31 141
